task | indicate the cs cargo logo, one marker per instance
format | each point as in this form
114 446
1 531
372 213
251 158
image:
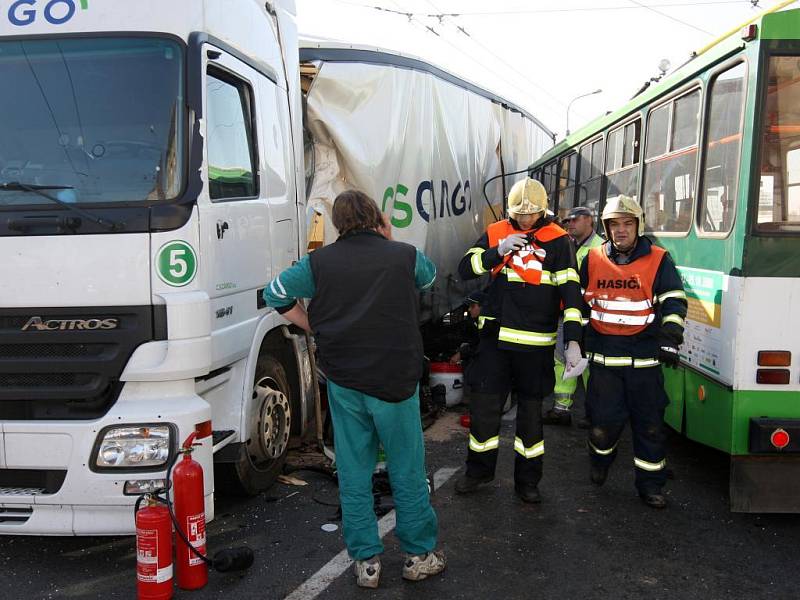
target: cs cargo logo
432 201
55 12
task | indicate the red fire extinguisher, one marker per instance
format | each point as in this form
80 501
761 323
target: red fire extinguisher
187 478
153 551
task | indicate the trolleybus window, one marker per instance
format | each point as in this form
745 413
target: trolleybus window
104 118
669 177
722 148
590 172
567 167
779 195
230 137
622 160
550 182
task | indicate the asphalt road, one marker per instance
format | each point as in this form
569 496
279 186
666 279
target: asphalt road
581 542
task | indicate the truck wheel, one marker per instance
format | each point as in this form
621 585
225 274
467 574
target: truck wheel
269 425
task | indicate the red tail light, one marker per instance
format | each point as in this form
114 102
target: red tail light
773 376
780 438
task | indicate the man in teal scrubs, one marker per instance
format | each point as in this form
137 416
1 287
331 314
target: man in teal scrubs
364 317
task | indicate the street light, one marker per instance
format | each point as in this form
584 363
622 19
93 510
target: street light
573 100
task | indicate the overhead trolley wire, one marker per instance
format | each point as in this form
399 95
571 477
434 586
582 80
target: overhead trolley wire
671 18
461 50
489 68
531 11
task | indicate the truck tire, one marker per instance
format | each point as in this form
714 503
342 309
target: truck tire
269 426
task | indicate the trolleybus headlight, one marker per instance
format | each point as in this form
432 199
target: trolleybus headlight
134 447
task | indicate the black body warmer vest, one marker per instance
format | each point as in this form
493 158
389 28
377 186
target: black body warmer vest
365 317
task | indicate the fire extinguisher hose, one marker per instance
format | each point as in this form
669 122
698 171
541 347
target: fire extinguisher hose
225 560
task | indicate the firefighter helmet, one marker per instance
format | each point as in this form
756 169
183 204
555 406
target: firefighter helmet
622 206
527 197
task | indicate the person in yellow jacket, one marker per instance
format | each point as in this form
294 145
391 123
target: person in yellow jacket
531 265
580 224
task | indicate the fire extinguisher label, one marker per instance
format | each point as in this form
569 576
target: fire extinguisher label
196 532
147 570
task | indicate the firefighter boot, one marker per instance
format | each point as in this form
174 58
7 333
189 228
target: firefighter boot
556 416
467 484
654 499
598 473
528 493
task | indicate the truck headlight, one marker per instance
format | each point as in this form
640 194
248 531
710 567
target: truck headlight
133 447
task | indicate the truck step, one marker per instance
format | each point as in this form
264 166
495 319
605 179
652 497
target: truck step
222 438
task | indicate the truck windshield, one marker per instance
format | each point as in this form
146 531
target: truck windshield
102 118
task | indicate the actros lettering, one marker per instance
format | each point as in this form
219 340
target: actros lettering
69 324
432 201
55 12
618 284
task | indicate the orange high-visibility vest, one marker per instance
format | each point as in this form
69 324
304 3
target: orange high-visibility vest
527 261
621 296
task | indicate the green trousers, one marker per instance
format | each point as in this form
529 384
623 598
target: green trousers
564 390
562 393
360 422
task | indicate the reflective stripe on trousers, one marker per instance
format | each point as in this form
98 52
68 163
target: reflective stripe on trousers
649 466
491 444
597 450
622 361
531 452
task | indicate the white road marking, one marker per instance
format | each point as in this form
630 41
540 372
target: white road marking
319 581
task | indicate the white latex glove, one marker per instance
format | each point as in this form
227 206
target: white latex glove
513 242
572 355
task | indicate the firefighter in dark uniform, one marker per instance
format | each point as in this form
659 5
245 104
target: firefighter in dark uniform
533 272
635 305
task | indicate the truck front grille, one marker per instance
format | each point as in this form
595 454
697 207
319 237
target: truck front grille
66 366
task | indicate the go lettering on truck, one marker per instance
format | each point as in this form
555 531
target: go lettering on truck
428 206
55 12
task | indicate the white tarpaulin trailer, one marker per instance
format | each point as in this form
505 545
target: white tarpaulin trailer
418 140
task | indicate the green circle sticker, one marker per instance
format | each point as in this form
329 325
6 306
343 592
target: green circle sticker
176 262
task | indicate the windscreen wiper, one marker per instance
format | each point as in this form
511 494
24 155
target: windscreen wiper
16 186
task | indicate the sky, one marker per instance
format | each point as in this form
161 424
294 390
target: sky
538 54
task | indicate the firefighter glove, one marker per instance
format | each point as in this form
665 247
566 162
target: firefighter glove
572 355
513 242
669 356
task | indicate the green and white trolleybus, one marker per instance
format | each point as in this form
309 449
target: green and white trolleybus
712 152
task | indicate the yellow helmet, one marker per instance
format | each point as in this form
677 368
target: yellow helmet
622 206
527 197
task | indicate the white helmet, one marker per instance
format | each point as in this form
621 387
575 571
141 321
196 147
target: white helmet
622 206
527 197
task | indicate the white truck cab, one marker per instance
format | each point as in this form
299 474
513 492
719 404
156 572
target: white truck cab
150 187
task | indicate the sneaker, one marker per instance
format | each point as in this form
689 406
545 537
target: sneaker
467 484
420 566
368 572
555 416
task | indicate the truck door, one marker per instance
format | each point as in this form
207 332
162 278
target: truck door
234 210
277 144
